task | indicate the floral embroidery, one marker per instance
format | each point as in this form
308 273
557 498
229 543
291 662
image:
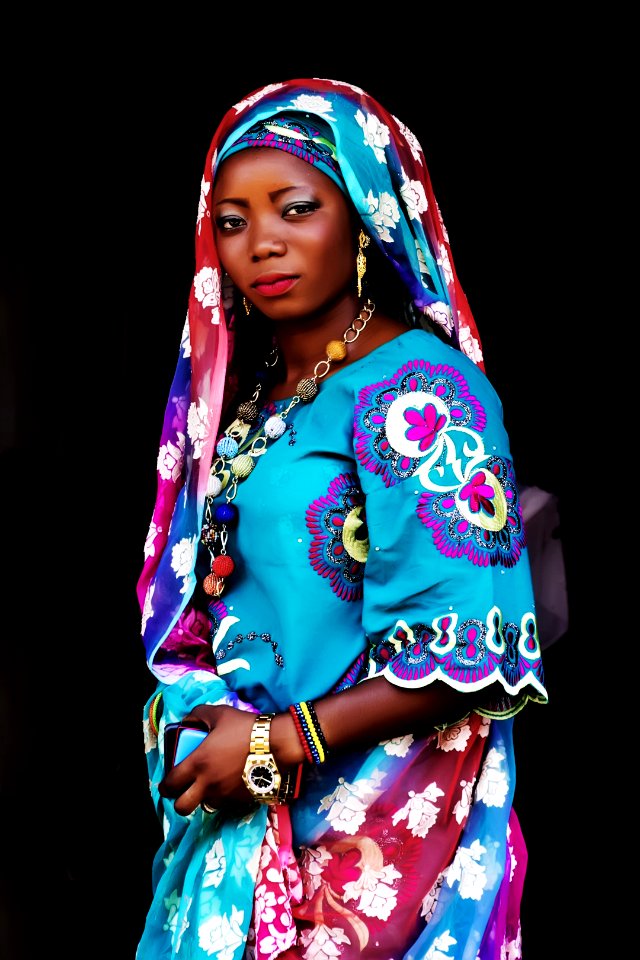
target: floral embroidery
467 652
401 423
481 519
340 544
425 425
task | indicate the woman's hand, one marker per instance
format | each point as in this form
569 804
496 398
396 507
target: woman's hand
213 771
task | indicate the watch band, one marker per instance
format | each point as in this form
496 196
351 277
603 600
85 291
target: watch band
259 743
259 746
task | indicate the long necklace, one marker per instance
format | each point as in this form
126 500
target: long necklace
234 463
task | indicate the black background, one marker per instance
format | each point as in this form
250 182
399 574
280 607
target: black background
101 187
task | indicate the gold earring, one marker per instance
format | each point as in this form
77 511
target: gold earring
361 260
247 305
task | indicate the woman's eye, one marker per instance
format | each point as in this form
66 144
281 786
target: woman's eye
299 208
228 223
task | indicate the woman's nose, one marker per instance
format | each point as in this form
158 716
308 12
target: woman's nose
267 245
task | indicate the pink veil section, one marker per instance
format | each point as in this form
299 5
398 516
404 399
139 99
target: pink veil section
373 147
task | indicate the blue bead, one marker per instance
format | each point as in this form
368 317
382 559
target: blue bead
227 447
226 513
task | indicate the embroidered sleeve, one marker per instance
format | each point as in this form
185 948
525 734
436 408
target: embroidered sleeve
447 592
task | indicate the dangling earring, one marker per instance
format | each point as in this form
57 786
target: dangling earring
247 305
361 260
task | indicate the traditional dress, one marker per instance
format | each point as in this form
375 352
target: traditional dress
380 534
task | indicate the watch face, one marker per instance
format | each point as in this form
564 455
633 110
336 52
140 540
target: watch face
262 778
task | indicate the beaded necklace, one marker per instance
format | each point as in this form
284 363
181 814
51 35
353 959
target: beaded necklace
231 466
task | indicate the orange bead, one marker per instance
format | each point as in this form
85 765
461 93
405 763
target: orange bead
336 350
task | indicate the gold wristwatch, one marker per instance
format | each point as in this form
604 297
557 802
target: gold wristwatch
261 774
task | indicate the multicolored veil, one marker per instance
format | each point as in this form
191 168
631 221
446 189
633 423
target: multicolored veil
384 169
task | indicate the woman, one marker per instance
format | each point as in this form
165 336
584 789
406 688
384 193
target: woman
336 588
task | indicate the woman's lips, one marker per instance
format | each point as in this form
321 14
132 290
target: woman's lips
274 286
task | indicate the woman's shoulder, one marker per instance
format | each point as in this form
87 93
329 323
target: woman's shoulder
419 351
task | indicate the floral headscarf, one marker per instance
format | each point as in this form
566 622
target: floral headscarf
384 169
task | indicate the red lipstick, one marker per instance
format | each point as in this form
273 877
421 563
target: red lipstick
274 284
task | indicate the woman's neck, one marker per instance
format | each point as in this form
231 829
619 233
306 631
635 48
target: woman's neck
302 344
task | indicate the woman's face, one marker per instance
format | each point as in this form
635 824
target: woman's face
284 233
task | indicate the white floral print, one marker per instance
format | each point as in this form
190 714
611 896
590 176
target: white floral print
439 949
383 213
205 187
420 810
182 560
492 786
147 610
222 935
322 942
313 104
376 134
348 803
215 865
313 864
467 870
469 344
454 737
398 746
412 141
430 900
377 898
149 544
206 287
254 98
463 806
444 261
415 199
171 459
198 426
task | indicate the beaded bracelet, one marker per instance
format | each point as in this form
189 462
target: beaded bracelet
309 731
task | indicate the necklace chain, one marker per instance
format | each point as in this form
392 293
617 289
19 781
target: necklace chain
233 464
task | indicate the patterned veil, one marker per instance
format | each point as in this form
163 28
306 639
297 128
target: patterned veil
386 177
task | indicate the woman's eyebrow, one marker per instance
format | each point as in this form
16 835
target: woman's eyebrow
273 195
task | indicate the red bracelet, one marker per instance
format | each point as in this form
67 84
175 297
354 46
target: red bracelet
300 732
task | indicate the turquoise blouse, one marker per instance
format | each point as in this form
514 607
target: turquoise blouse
381 533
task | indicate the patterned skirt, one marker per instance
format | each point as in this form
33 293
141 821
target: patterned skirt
409 850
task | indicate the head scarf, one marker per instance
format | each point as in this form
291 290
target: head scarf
380 163
301 135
